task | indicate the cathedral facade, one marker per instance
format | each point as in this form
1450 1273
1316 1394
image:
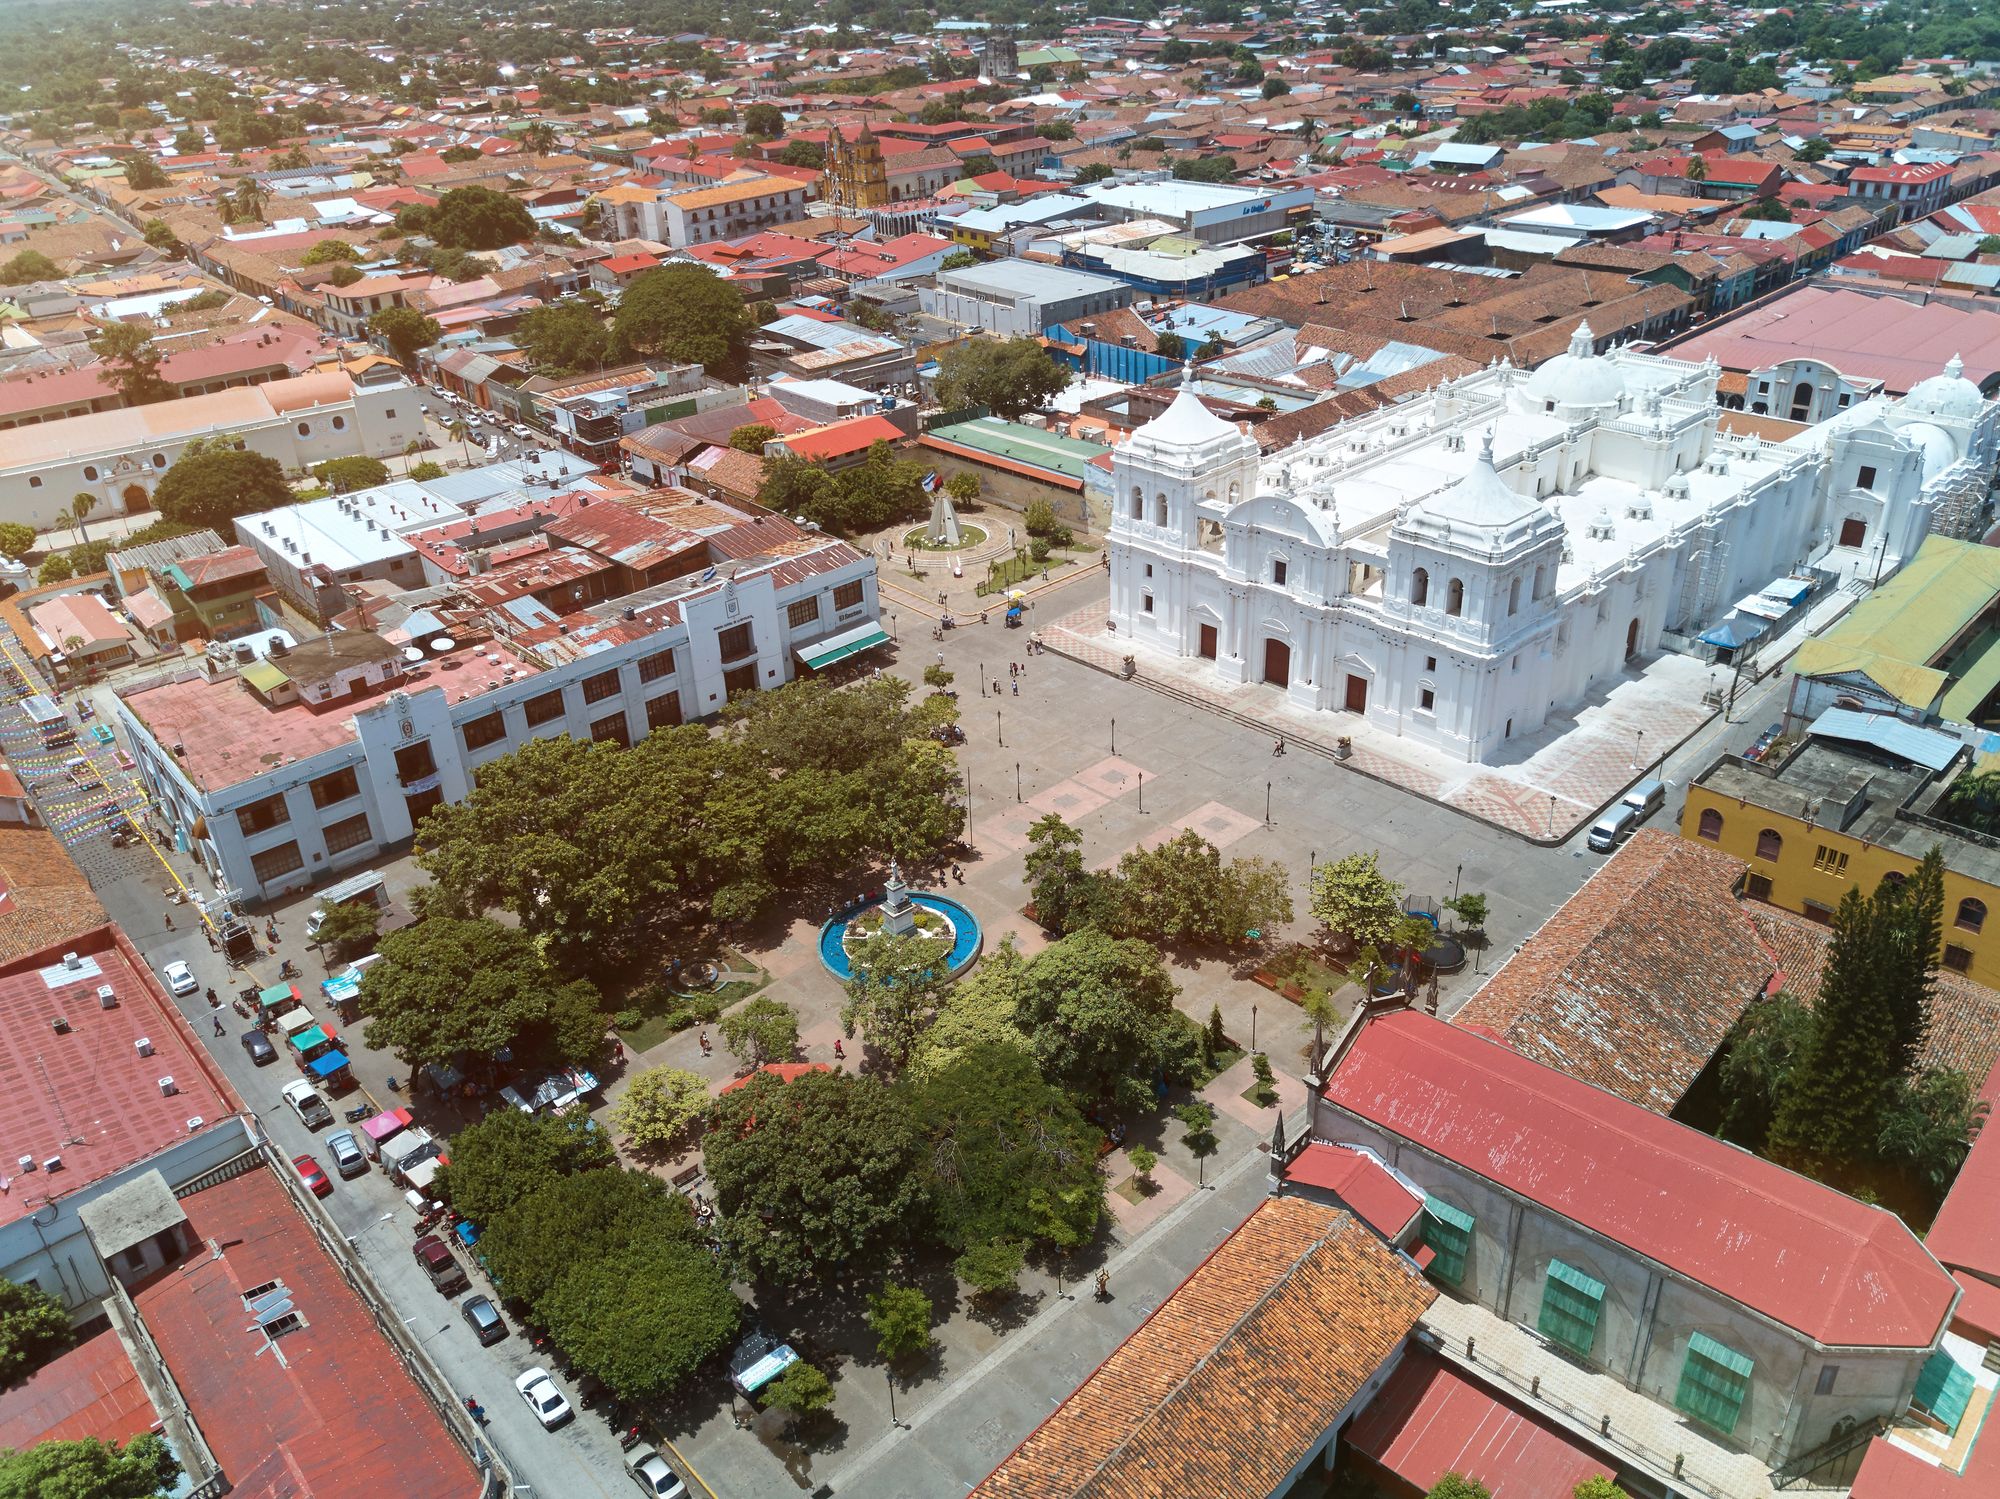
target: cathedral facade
855 175
1461 567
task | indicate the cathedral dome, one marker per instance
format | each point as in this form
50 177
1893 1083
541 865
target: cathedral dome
1938 449
1186 426
1578 379
1949 394
1482 507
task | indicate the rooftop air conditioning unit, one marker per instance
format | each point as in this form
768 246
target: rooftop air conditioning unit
144 1046
25 1163
107 997
59 1025
195 1122
52 1163
167 1089
72 962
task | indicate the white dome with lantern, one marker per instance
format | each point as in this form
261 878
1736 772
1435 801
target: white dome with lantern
1949 394
1577 382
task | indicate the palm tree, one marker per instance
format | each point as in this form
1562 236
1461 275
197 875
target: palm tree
460 432
80 507
539 137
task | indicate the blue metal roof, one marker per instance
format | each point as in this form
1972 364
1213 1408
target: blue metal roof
1883 731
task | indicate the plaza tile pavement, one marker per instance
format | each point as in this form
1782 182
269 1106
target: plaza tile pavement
1556 782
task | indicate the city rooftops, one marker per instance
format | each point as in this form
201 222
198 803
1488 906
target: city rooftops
1808 1257
46 444
1181 200
74 1086
1025 278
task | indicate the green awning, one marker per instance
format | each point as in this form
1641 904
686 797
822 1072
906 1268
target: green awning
263 676
310 1037
1719 1353
1943 1390
1458 1218
825 653
1571 1302
278 994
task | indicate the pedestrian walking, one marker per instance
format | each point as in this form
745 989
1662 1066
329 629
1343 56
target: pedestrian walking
1017 687
1104 1285
1278 748
169 919
704 1043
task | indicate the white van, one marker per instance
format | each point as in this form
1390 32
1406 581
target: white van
1612 828
1645 798
369 887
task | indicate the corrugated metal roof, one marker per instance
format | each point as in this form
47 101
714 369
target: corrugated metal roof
1893 635
1925 747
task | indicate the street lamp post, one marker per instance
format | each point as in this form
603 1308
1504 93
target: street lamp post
1142 791
1552 814
891 1375
1267 804
999 729
1455 876
1114 736
1253 1027
1017 780
893 635
1639 749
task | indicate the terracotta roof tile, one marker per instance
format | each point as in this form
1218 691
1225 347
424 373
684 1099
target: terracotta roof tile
1301 1297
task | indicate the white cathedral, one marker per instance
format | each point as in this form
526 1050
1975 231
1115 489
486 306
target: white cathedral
1462 566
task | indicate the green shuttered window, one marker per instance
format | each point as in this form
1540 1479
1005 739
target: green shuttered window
1715 1381
1943 1388
1570 1303
1448 1236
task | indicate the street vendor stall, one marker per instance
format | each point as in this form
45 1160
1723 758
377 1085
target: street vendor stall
383 1126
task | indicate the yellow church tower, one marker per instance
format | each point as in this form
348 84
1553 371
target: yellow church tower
856 176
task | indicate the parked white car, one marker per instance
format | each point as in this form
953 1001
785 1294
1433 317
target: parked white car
543 1398
180 978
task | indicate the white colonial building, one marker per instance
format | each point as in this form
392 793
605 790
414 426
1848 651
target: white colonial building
1462 566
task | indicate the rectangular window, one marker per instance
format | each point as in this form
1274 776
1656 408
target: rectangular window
1571 1301
734 643
596 689
1831 861
337 787
1430 663
1448 1236
614 729
847 595
414 762
1149 569
1715 1381
1957 959
1829 1374
1813 910
349 832
490 728
1427 700
1866 478
802 612
1146 603
275 863
1278 573
664 711
1758 887
544 708
652 668
263 814
1943 1389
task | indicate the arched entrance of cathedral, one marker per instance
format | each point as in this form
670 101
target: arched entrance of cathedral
1632 640
136 499
1277 663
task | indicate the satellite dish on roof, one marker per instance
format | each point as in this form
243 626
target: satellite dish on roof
411 653
442 643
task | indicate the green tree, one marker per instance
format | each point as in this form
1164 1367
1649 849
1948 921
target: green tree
1598 1487
1930 1120
1096 171
131 362
1008 376
15 539
1204 168
1757 1060
764 121
660 1106
1267 1083
75 513
1769 210
1065 894
1458 1486
794 487
801 1389
1143 1161
817 1181
958 260
899 982
29 265
419 472
539 138
213 481
1039 519
761 1031
803 154
643 1317
1007 1155
1358 904
572 1220
1180 892
56 569
90 1469
143 174
1839 1087
160 235
350 927
343 275
472 218
963 487
1099 1015
1814 150
1470 909
900 1318
1170 346
330 252
345 475
564 338
405 330
34 1328
1275 87
509 1155
684 313
447 985
751 437
1912 918
992 1268
1198 1134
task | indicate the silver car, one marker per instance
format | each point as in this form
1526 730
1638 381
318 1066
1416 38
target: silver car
650 1471
348 1158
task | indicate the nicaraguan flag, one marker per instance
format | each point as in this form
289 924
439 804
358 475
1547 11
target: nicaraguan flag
930 481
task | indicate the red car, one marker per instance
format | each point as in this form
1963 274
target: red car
311 1175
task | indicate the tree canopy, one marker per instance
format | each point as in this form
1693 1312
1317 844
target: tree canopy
1008 376
451 985
29 265
879 491
566 1221
685 313
660 1106
508 1154
345 475
899 982
406 331
470 218
564 338
816 1180
642 1317
131 361
90 1469
1359 905
1099 1015
213 481
34 1328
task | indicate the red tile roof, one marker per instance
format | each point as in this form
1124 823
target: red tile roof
340 1419
1966 1232
87 1094
1635 981
1361 1182
1301 1297
841 438
91 1391
1803 1254
1430 1420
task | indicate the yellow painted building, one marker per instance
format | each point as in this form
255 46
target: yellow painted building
855 175
1855 804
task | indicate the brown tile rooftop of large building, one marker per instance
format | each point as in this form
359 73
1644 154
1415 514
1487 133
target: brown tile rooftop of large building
44 897
1634 982
1229 1384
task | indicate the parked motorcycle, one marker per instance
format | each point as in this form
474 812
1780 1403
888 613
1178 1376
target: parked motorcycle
359 1112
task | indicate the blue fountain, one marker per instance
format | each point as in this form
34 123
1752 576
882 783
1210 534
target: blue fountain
898 911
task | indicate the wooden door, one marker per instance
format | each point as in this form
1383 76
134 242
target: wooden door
1206 648
1357 693
1277 663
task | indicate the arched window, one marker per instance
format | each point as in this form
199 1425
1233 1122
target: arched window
1541 581
339 423
1710 826
1769 844
1420 586
159 460
1971 915
1454 597
1159 509
1138 503
1514 597
90 471
305 429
